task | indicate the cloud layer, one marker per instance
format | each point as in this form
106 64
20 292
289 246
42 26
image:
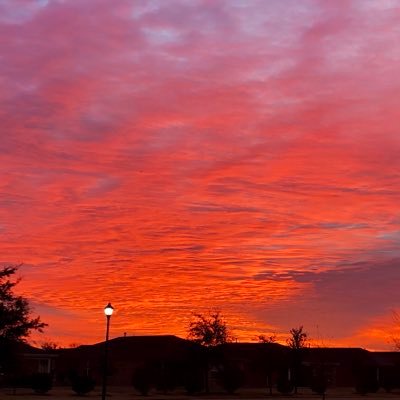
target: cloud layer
177 156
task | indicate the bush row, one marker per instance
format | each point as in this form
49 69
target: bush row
230 377
42 383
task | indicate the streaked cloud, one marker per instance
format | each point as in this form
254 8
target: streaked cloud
183 155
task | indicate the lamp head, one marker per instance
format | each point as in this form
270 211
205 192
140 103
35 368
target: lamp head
108 310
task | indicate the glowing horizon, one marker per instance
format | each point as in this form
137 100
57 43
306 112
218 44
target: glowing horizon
174 157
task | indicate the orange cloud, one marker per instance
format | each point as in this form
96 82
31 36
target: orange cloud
202 155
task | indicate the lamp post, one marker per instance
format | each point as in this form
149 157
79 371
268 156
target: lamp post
108 310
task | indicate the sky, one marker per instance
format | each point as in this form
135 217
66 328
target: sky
182 156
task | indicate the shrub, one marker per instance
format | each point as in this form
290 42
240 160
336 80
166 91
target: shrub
361 387
364 386
142 380
319 385
389 381
231 378
284 386
18 381
166 378
194 381
41 383
82 385
373 386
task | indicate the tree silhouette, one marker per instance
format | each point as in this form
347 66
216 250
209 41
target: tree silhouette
267 339
208 330
297 342
298 338
15 312
266 363
49 346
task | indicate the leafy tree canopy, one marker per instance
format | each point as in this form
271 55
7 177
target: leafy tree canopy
209 330
16 322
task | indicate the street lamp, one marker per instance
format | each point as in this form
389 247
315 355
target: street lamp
108 310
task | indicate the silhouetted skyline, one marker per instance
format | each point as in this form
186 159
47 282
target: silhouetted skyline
174 157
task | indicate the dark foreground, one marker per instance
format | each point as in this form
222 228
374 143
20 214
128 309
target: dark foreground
128 393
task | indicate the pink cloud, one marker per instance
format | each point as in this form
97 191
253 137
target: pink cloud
198 154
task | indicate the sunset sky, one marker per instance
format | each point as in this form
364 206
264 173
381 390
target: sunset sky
176 156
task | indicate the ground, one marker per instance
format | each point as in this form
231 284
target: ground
128 393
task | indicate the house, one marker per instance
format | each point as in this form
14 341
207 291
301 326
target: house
170 357
125 355
260 363
20 360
